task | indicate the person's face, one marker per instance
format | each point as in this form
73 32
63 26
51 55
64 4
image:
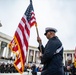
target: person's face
48 35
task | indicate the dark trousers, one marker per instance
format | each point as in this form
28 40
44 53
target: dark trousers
60 72
34 73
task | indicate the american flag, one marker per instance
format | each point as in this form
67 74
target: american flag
19 44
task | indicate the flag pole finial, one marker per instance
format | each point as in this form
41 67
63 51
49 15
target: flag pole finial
30 1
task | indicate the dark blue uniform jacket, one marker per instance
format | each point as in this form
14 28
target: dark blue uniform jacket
52 62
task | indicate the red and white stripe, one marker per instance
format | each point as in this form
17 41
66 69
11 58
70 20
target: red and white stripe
22 35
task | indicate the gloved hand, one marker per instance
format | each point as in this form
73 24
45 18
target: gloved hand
39 40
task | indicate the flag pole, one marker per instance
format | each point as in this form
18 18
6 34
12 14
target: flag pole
38 36
37 31
35 24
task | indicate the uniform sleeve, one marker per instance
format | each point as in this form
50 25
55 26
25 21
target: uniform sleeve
50 49
42 48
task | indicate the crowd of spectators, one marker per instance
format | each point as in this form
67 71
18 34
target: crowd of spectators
9 68
69 68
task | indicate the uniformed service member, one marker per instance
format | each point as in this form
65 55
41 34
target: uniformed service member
52 53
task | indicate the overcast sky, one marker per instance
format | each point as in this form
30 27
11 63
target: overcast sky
60 14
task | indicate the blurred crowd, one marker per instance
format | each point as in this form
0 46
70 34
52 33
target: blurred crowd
69 68
9 68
